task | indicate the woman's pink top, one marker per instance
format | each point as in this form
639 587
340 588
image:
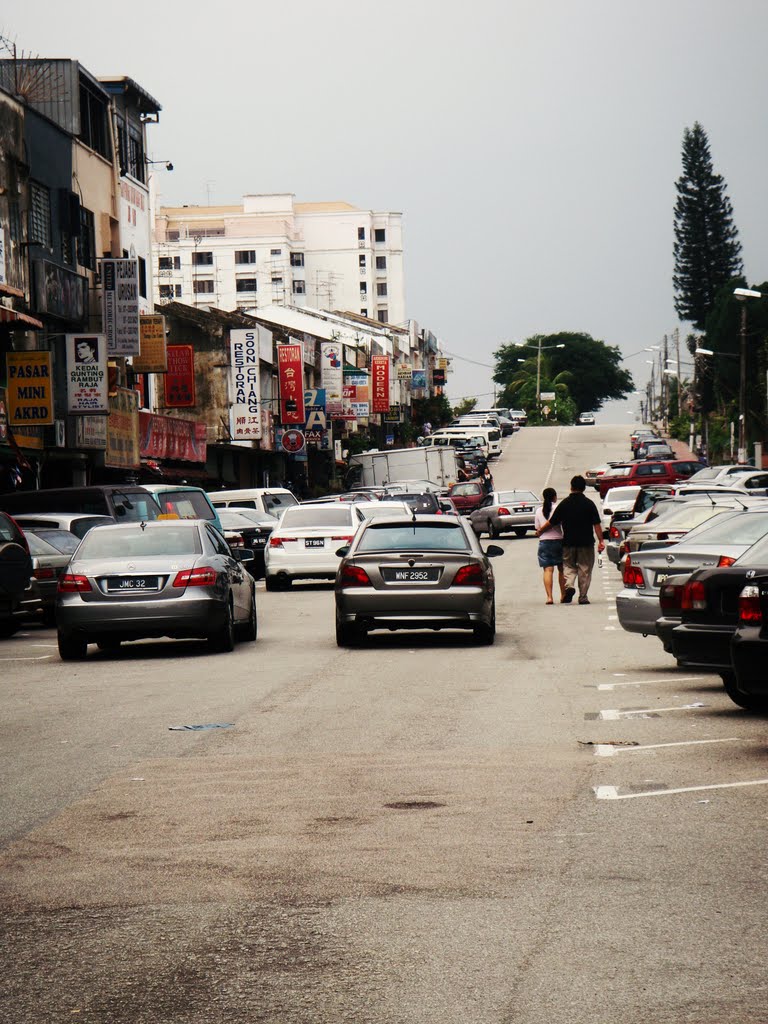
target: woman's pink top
554 532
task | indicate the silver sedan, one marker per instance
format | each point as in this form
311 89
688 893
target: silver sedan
168 578
505 512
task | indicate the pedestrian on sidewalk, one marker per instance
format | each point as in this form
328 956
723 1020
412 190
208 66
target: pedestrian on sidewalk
550 553
580 519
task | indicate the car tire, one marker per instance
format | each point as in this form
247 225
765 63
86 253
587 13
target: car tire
251 628
15 568
347 634
223 640
493 530
8 628
747 701
271 583
109 646
72 646
521 531
485 632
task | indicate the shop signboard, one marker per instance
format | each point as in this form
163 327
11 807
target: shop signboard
438 378
3 418
292 441
123 430
30 389
87 375
152 357
179 381
314 408
60 293
245 384
120 306
419 379
332 374
170 437
380 383
290 376
404 371
361 410
91 432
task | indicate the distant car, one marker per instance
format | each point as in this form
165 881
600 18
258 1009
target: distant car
15 576
654 450
303 545
174 578
430 573
385 509
519 416
467 496
426 503
592 476
586 419
51 551
242 530
75 523
505 512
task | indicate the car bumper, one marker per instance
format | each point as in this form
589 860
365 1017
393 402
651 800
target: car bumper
612 551
637 612
749 658
664 627
703 648
409 609
189 615
516 521
317 565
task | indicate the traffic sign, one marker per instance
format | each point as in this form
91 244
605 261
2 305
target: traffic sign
292 441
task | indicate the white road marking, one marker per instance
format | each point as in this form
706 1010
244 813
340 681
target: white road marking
38 657
612 618
609 749
612 792
609 628
643 682
614 714
554 456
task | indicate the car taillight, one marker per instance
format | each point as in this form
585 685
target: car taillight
346 539
614 533
632 575
671 597
203 576
353 576
277 542
694 596
469 576
624 548
44 574
236 540
724 561
71 584
750 613
503 511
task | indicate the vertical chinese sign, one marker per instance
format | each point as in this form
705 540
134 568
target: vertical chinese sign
290 377
379 384
179 381
332 376
244 355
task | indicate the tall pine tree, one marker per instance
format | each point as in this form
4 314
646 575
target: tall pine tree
707 248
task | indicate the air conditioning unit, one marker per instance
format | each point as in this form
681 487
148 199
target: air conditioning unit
361 243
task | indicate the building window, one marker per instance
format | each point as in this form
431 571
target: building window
275 252
202 259
277 282
363 288
166 291
245 284
142 277
381 262
383 316
299 288
169 263
177 288
297 259
86 240
39 215
136 162
381 288
202 287
245 256
93 119
361 234
361 261
379 235
67 249
363 312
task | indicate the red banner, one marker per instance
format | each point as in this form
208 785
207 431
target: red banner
380 383
166 437
291 382
179 381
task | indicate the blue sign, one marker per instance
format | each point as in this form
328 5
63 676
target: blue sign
418 378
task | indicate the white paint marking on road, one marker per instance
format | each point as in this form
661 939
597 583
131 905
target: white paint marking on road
609 749
614 714
612 792
612 618
609 629
38 657
42 645
554 456
643 682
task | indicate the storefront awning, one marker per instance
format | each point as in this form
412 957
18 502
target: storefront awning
22 320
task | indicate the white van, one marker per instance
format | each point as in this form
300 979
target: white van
272 500
445 440
492 436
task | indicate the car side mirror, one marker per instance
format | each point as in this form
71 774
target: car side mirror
242 554
342 552
493 551
119 510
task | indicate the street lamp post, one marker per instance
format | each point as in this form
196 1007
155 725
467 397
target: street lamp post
743 294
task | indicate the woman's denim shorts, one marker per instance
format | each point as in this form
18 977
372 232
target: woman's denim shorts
550 553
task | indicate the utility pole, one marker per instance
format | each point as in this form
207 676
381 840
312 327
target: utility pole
677 359
665 384
742 457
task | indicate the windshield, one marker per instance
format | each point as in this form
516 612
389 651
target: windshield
277 502
685 516
318 515
62 541
518 496
731 528
163 539
414 537
185 504
756 555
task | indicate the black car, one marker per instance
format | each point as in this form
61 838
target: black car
15 575
747 686
255 528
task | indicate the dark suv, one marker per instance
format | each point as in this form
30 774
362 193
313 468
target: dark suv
646 473
15 574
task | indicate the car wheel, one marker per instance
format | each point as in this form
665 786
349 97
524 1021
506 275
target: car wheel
251 628
72 647
521 531
748 701
223 639
485 632
15 568
493 530
347 634
271 583
108 646
8 628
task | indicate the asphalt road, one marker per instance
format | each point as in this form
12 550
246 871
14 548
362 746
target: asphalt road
560 828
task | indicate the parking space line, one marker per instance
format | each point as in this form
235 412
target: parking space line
610 749
612 792
614 714
644 682
38 657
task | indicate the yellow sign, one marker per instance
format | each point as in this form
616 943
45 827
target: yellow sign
123 430
442 364
153 357
30 389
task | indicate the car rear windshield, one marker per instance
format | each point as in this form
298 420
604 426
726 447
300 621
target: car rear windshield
414 537
687 516
464 489
277 502
62 541
185 504
739 528
298 517
514 496
40 547
618 471
165 539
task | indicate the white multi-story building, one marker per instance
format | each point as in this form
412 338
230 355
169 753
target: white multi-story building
272 250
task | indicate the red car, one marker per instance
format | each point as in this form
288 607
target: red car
645 474
466 497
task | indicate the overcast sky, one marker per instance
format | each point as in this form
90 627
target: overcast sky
531 147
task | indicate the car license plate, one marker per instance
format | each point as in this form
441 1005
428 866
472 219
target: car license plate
314 542
661 577
429 574
124 583
522 508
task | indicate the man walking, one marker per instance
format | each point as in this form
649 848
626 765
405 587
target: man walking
579 518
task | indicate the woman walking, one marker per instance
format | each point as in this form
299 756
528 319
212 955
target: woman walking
550 551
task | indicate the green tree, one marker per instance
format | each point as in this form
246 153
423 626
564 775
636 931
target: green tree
521 392
596 373
465 406
707 249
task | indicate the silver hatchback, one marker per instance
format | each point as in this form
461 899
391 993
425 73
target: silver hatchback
429 573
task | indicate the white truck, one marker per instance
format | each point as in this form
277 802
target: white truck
377 468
